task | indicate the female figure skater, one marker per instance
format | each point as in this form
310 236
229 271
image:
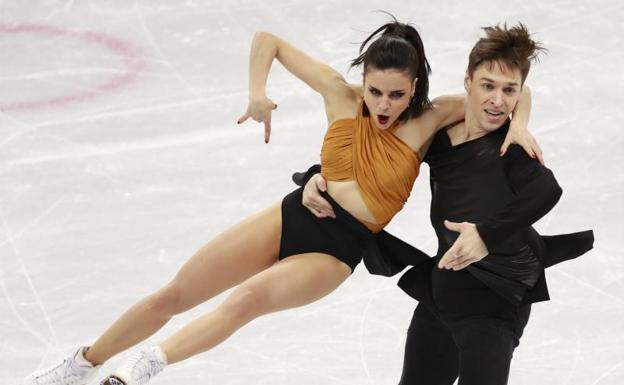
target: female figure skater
285 256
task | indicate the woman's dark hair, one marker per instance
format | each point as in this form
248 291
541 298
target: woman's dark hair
398 46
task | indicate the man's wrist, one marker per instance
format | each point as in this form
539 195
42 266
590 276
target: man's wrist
487 234
301 178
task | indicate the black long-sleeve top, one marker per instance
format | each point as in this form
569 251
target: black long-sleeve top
503 196
470 182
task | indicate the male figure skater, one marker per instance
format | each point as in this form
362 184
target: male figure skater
475 295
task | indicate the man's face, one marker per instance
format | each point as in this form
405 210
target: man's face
493 92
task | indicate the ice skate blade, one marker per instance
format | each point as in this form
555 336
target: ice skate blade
112 381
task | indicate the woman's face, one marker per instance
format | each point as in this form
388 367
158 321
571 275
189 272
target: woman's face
387 93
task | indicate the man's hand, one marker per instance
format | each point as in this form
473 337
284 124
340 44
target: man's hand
467 249
313 200
259 109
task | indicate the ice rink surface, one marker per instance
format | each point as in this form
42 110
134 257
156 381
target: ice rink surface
120 156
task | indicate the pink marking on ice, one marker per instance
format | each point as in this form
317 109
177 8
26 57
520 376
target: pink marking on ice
133 64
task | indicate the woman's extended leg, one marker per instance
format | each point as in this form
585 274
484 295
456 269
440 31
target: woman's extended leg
230 258
294 281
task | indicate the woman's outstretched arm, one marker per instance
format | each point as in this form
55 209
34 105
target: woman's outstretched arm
317 75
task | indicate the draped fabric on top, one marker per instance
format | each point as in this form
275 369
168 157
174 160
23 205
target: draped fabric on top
383 166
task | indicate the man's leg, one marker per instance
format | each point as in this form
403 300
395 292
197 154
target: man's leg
486 345
431 356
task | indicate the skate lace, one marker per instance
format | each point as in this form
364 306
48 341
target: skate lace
66 373
143 366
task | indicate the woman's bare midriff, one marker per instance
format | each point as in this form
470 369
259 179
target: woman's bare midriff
347 194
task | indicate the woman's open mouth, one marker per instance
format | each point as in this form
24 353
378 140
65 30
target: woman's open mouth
383 119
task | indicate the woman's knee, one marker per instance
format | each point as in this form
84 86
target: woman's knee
246 303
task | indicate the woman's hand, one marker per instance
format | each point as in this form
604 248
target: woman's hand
259 109
520 135
518 131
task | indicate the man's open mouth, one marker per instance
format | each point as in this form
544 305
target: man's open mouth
494 114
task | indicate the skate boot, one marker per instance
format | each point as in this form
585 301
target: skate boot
74 370
139 368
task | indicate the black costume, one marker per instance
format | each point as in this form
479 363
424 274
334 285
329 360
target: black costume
344 237
480 312
468 322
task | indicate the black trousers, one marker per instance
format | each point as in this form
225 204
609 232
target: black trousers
477 348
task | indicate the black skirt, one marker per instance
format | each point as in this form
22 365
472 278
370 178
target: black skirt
343 237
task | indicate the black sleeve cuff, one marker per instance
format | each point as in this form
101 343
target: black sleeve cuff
301 178
488 235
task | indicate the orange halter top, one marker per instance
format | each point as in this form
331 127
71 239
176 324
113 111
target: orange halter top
383 166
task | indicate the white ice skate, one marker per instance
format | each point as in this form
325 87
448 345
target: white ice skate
74 370
139 368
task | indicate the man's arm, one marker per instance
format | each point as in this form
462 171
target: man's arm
314 184
537 192
301 178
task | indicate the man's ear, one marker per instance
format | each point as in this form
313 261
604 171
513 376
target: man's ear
467 82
